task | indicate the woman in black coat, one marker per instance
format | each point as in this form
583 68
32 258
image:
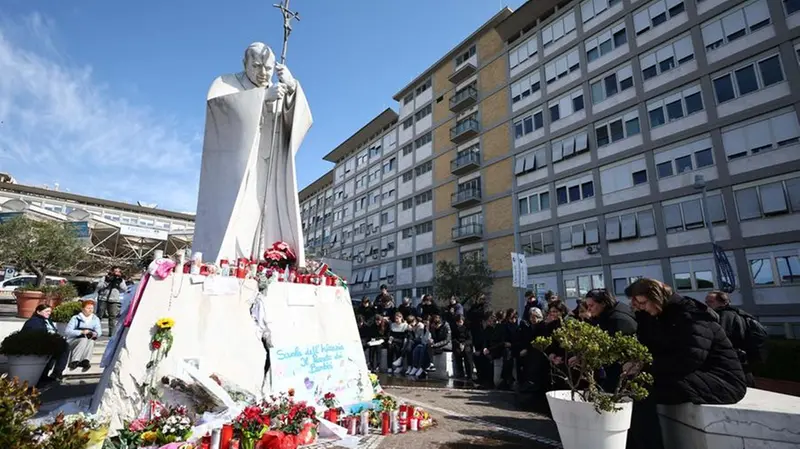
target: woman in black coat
613 317
40 322
693 360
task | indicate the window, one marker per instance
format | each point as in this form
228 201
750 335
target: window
537 242
422 140
577 235
579 286
567 105
591 8
761 271
424 86
766 200
675 106
606 42
522 89
655 14
406 262
624 226
558 29
684 158
612 84
683 281
569 146
424 228
704 279
408 204
407 123
424 259
623 175
562 66
463 57
617 128
620 284
408 176
423 197
476 254
732 26
408 233
530 203
788 269
389 165
639 177
521 53
386 218
530 161
667 57
374 151
751 78
528 123
762 136
574 191
423 168
688 214
408 98
792 6
407 149
424 112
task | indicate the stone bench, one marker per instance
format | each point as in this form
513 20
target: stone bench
444 366
761 420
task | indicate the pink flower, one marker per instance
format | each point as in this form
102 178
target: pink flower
137 425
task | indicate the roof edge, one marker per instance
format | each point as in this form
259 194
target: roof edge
379 122
315 185
491 23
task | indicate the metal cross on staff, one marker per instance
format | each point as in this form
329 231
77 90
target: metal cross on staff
288 15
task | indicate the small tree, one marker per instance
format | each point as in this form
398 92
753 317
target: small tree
467 280
40 247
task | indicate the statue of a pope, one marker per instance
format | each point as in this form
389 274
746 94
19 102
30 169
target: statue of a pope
248 168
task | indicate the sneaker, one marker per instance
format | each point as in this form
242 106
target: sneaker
398 362
85 365
419 372
72 366
409 370
431 369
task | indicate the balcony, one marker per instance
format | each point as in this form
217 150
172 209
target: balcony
462 72
467 232
464 130
463 99
466 197
465 163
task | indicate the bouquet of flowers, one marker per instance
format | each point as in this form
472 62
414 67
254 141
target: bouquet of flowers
165 425
63 434
280 255
96 426
294 423
329 401
252 424
424 418
386 402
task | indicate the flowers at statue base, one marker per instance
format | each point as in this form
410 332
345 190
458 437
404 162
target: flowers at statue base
252 423
280 254
165 425
387 403
329 400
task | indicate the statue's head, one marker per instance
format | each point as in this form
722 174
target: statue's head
259 63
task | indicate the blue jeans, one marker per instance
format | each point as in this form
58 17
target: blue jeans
419 356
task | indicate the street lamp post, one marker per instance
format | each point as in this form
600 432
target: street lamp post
700 184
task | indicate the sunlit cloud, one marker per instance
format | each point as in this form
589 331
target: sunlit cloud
61 124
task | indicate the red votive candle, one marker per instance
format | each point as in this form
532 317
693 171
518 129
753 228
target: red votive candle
225 436
385 424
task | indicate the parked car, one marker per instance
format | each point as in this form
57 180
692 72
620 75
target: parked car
9 285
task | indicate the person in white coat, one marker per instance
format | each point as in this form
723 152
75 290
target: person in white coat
82 332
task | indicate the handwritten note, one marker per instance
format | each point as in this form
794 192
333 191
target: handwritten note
313 359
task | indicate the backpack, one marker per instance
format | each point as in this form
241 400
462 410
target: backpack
755 338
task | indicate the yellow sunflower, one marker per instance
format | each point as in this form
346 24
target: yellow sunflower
165 323
149 436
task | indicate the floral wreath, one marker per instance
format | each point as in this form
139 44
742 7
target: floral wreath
160 345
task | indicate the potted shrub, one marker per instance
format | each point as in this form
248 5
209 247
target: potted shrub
587 416
28 353
41 248
56 294
63 312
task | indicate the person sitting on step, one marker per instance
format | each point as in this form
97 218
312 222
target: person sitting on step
82 332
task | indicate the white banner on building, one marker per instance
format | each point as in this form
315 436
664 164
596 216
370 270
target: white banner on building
146 233
515 270
523 270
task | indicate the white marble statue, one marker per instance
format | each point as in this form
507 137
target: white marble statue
244 177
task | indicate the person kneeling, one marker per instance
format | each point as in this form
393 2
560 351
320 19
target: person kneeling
82 332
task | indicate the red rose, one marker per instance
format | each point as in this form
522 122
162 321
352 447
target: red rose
156 345
291 392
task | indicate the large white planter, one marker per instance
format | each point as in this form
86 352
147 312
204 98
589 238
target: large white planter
581 427
28 368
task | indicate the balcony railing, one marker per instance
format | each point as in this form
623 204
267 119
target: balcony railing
471 231
462 72
466 197
465 163
464 130
463 99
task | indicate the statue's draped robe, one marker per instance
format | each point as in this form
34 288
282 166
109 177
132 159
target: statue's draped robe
239 182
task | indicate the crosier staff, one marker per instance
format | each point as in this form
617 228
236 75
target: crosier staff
288 15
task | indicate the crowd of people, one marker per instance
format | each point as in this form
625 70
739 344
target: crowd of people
703 352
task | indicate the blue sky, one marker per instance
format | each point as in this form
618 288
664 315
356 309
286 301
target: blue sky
107 98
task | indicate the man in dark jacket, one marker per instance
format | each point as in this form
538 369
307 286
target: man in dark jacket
442 337
406 308
732 320
427 308
384 298
462 349
613 317
454 309
366 310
